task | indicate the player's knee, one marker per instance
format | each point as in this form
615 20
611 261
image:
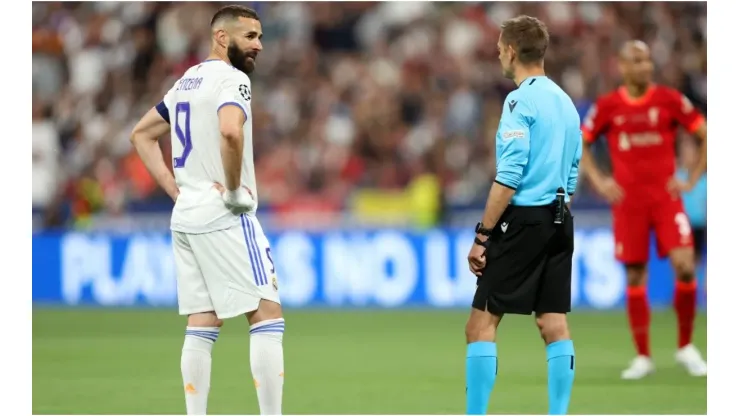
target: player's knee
683 263
205 319
636 275
266 310
684 270
553 327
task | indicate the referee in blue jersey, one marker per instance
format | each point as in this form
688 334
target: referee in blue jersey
523 249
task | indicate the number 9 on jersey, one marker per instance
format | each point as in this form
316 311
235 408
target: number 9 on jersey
182 131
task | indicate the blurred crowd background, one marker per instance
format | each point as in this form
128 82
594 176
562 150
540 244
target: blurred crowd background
365 110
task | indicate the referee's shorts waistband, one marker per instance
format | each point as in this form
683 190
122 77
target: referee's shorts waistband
532 207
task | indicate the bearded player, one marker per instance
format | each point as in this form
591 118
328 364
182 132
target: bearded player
222 257
640 121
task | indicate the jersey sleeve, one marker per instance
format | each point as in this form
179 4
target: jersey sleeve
573 175
595 121
167 102
512 141
684 112
235 91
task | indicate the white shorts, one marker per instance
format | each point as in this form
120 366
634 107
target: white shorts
227 271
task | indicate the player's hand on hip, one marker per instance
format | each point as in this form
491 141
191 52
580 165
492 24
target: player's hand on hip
238 201
477 259
610 190
676 187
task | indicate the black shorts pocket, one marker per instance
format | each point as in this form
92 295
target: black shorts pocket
508 235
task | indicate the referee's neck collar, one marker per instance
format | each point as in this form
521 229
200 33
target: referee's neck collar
530 80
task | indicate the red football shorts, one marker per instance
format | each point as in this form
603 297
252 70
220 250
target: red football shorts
633 223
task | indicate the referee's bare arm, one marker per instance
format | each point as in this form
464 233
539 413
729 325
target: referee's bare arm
573 175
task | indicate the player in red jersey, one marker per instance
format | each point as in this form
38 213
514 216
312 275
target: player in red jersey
640 121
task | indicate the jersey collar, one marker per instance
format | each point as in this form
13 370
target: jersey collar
636 101
531 80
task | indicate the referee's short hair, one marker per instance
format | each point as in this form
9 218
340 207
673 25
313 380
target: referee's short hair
528 36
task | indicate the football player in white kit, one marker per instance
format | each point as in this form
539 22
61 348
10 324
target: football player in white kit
222 257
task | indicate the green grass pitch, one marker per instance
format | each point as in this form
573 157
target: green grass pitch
100 361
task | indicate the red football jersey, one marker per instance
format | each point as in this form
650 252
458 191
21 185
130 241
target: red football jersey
641 135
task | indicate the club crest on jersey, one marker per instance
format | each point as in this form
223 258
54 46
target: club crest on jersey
245 92
653 114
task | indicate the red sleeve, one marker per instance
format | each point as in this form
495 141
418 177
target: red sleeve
683 111
595 121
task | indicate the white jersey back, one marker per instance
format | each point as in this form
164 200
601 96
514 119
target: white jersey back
192 105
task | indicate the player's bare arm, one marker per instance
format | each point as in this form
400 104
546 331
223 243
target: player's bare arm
701 167
677 186
145 139
605 185
593 126
686 114
231 120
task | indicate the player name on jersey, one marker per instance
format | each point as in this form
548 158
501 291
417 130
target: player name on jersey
187 84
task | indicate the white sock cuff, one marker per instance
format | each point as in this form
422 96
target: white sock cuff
268 326
205 333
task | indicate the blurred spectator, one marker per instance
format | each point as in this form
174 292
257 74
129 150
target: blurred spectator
349 96
45 153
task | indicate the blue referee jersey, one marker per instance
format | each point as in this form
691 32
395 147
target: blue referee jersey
538 143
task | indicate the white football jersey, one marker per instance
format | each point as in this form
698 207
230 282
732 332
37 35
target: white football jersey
192 105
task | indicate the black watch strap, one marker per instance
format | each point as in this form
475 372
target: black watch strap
481 242
483 231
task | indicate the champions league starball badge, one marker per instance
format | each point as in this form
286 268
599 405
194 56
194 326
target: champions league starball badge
245 92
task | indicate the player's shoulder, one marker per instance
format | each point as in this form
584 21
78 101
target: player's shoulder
665 93
195 72
610 98
240 76
221 72
661 89
187 74
234 75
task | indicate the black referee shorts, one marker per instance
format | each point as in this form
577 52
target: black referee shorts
528 264
700 242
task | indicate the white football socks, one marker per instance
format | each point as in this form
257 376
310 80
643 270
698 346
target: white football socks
266 358
195 365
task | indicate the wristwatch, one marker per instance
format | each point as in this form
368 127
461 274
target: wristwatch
481 242
483 231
